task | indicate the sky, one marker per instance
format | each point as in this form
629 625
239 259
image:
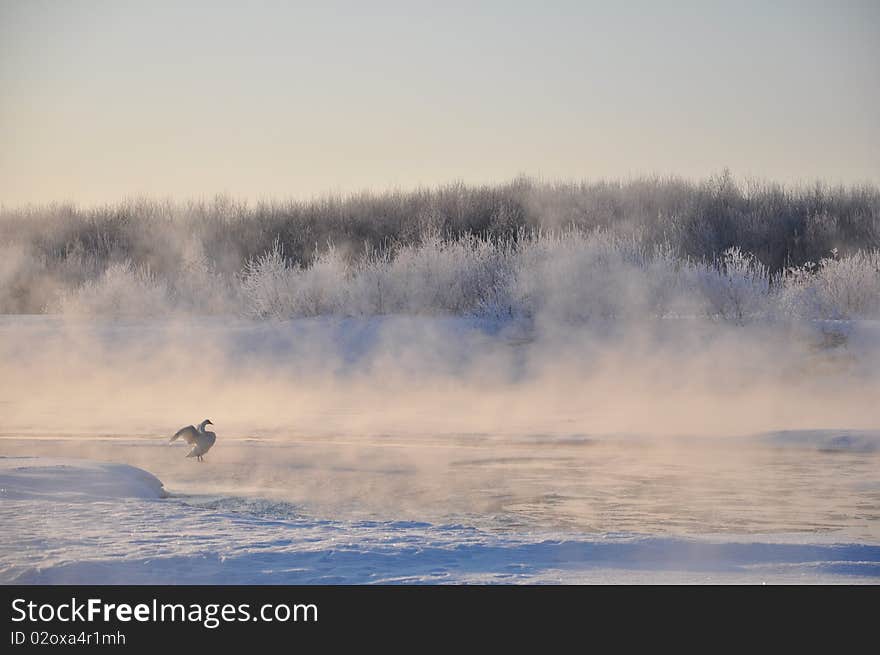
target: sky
103 100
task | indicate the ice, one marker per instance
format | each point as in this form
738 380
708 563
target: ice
87 522
860 441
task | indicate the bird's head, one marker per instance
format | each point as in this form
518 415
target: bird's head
208 422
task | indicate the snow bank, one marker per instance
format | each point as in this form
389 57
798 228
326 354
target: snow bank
71 521
215 547
857 441
71 480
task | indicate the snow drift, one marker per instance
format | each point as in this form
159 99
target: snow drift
67 481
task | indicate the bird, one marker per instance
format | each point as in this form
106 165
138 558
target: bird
199 438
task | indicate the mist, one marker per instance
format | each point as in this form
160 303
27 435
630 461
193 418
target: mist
373 417
465 374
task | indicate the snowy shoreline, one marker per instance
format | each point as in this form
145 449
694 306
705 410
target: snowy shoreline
74 521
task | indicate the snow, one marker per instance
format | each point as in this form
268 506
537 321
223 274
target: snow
86 522
62 480
860 441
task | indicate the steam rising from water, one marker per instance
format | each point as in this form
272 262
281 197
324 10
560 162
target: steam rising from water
413 376
607 427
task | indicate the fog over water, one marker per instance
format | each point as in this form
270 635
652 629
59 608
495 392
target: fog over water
678 427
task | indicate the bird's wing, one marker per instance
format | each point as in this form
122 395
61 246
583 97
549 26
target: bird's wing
189 434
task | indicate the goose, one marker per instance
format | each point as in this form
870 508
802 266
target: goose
200 439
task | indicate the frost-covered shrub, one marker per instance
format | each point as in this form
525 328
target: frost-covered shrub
851 284
273 287
441 275
122 290
736 287
24 281
569 277
835 288
436 276
573 276
320 288
201 289
266 285
671 284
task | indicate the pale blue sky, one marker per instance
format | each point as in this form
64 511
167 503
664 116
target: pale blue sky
106 99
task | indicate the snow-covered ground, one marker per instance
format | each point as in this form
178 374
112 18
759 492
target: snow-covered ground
69 520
